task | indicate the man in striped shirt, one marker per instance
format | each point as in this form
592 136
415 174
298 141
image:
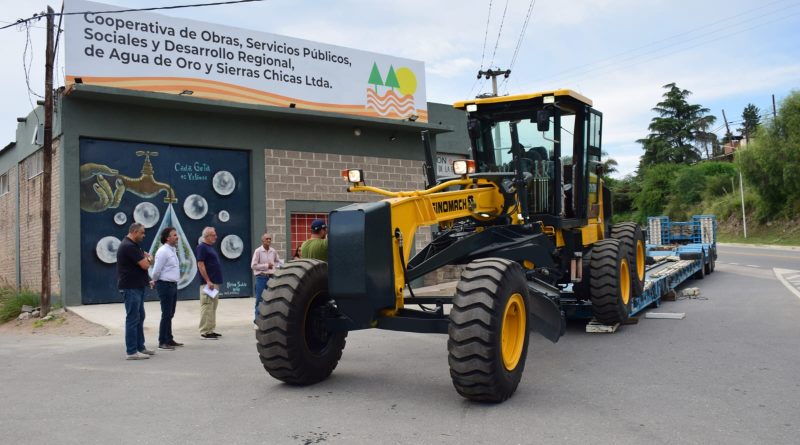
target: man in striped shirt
166 274
265 261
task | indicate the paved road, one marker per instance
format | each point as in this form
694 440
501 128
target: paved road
726 374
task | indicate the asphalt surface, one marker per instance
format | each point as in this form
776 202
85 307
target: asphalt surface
725 374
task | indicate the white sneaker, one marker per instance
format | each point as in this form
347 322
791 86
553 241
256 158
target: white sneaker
137 356
147 352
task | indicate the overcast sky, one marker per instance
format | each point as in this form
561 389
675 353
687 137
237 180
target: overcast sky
619 53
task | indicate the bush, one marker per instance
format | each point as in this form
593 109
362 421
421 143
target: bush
657 187
11 302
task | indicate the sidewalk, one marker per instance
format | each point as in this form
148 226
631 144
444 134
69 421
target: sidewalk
231 312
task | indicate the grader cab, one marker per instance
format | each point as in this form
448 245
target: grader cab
527 217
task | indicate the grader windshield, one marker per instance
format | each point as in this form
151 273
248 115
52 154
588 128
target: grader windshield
557 136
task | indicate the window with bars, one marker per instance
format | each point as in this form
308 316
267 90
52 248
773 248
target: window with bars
4 185
34 164
301 227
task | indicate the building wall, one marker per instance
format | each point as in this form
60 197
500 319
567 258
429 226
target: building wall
301 176
30 225
8 234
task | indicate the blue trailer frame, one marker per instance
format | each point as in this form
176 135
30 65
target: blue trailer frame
676 251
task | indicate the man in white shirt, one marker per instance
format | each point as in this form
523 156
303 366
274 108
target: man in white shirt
166 274
265 261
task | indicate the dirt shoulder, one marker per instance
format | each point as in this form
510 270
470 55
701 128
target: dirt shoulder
67 324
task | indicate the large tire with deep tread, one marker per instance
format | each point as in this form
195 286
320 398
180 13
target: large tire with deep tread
632 237
488 330
701 274
293 343
609 282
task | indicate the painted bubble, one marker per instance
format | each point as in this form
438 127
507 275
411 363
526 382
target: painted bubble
232 247
120 218
195 206
106 249
224 183
224 216
146 214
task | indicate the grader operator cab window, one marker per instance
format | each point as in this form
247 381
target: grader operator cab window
559 147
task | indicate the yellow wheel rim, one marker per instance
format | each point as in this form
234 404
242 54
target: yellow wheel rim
624 281
513 332
640 260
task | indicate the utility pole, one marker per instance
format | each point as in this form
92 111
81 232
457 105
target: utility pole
48 164
741 183
774 111
493 74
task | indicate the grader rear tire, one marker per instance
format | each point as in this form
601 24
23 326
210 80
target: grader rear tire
293 343
610 282
631 236
488 330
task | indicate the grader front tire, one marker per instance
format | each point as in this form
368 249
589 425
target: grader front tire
293 343
488 330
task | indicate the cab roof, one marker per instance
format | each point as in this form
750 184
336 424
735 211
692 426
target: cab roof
519 97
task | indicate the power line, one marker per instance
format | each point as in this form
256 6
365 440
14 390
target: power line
483 51
499 33
154 8
520 39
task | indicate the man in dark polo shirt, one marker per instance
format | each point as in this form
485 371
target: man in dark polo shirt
132 280
211 277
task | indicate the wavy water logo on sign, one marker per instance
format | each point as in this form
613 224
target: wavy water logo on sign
382 97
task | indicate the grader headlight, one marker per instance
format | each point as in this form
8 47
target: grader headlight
354 176
463 166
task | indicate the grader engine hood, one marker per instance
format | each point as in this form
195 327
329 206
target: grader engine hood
360 276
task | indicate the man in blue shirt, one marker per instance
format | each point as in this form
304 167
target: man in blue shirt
132 279
211 274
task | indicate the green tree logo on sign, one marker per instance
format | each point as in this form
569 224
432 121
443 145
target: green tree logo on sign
375 76
391 79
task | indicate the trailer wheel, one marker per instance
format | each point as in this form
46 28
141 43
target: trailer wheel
711 260
610 282
488 333
293 343
632 237
701 274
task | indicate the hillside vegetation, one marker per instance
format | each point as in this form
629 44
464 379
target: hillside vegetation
674 179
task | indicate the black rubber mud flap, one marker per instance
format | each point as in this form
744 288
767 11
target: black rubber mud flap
546 316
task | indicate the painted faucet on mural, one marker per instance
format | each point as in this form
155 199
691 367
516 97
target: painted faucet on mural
154 200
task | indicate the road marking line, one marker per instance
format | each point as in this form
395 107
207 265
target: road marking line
753 265
793 277
779 273
734 264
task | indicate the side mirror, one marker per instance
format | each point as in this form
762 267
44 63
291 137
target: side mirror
474 129
543 120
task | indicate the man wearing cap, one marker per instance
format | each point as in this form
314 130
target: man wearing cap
317 246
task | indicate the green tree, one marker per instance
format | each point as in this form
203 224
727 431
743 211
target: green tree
674 132
657 187
771 163
750 121
375 77
610 164
391 79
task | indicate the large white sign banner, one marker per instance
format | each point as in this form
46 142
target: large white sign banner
153 52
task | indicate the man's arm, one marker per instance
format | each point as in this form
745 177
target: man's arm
159 264
201 266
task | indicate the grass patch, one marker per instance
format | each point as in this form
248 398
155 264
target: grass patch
11 302
55 319
780 232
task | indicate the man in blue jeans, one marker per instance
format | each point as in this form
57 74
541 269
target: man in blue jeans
132 280
265 261
166 274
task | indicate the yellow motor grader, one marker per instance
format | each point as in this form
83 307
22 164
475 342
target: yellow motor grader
528 216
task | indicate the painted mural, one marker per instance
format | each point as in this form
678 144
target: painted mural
162 186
